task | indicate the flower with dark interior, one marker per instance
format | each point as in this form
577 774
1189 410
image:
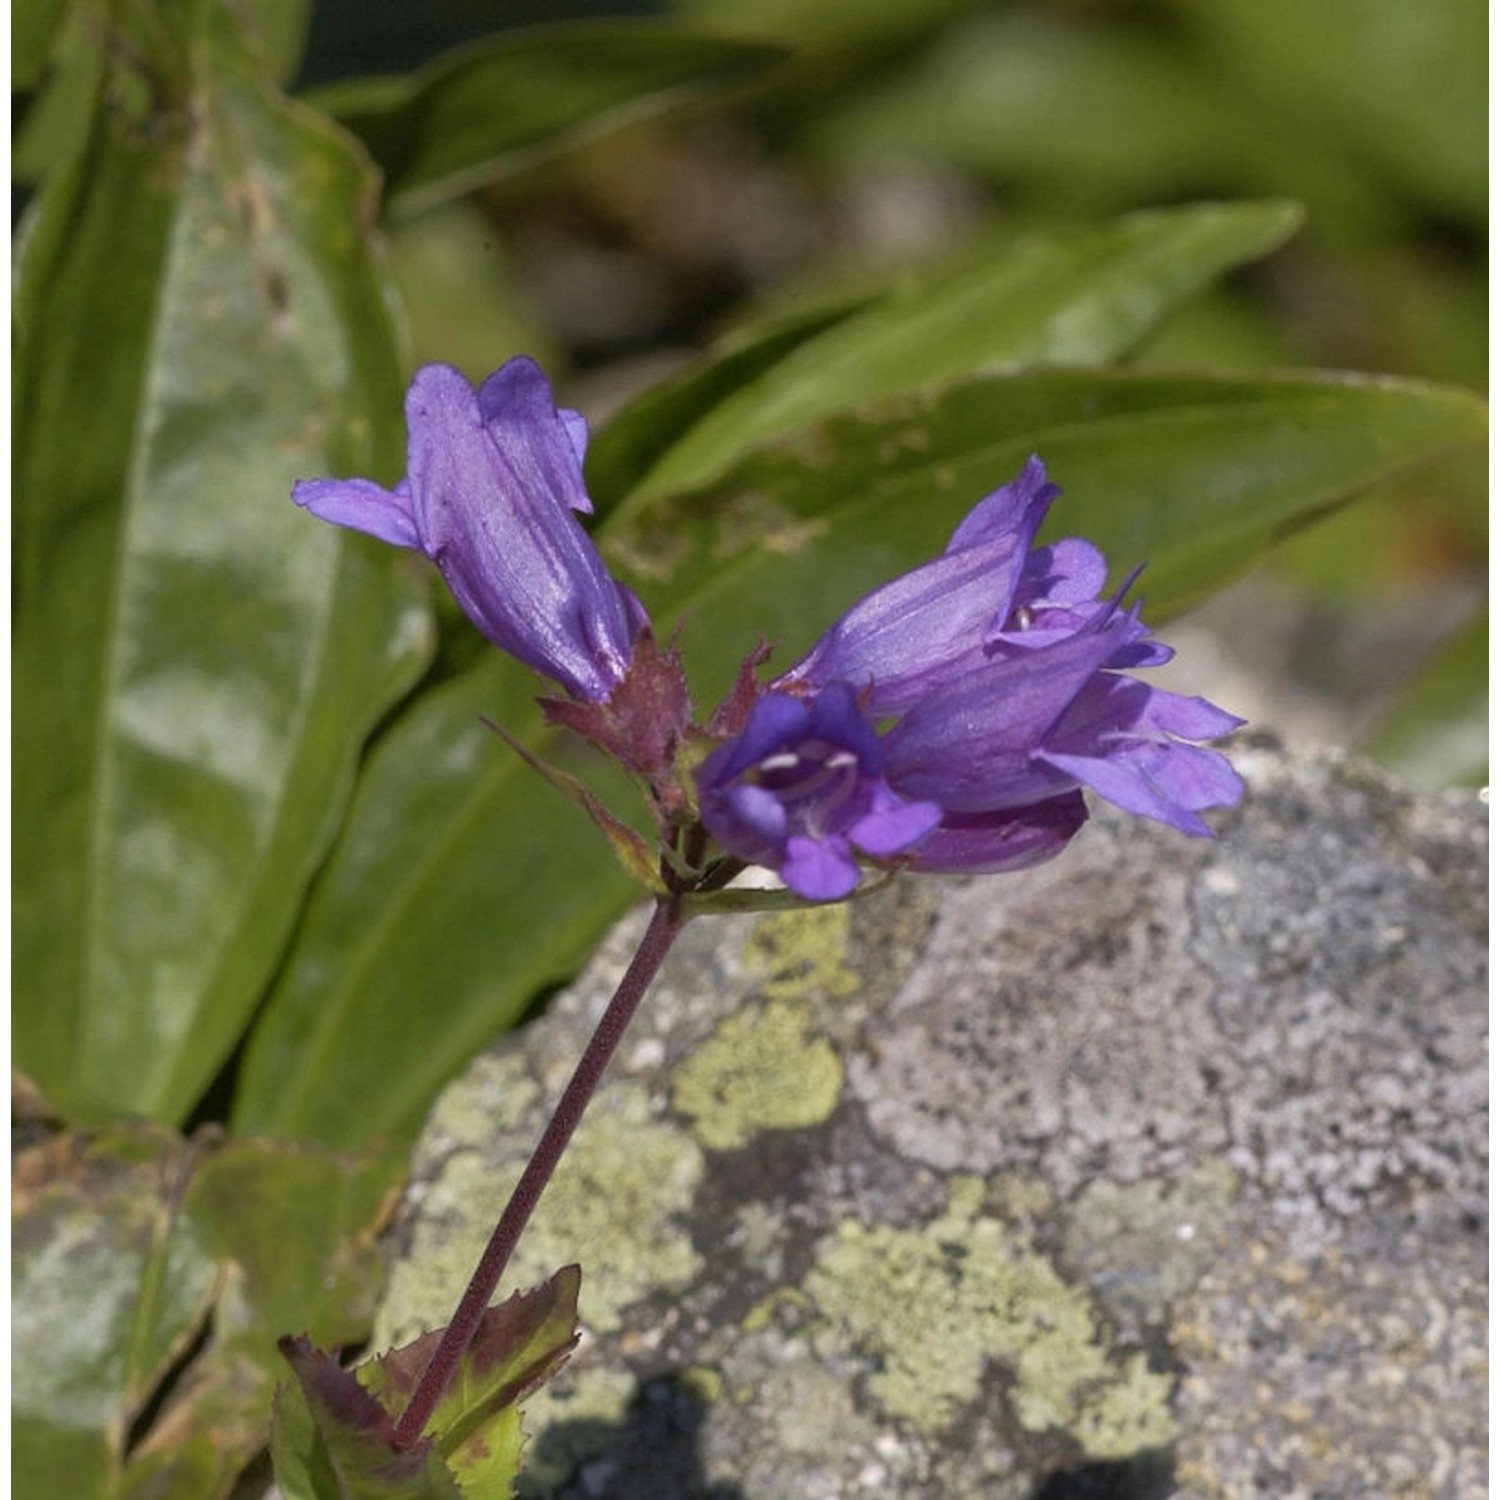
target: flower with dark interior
800 790
985 686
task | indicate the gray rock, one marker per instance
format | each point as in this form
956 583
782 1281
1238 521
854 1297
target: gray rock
1159 1170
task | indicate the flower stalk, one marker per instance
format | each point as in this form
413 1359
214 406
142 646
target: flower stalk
667 921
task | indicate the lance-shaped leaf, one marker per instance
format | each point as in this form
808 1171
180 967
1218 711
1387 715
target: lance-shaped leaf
1195 476
201 322
461 887
493 106
110 1284
1067 297
627 447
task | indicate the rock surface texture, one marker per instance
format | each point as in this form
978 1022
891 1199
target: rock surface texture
1156 1171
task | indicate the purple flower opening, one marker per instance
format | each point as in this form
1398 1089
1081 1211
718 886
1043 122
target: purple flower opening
493 478
993 673
800 790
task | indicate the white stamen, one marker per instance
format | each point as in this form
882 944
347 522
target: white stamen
783 760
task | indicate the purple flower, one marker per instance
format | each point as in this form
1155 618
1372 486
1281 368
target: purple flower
799 790
1041 724
993 675
493 477
989 596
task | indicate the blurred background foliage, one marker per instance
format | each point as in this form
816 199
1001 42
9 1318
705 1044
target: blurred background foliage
819 272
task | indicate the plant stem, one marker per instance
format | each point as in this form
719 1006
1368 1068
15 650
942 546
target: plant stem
666 922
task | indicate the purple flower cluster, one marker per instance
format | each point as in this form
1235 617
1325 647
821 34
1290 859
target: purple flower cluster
948 721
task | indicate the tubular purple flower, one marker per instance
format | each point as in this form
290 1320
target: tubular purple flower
799 790
493 477
997 669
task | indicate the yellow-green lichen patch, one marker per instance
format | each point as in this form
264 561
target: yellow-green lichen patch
1126 1413
930 1306
762 1069
763 1314
703 1382
802 954
613 1207
495 1094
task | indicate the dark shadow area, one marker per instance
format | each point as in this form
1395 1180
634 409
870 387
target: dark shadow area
1142 1476
651 1455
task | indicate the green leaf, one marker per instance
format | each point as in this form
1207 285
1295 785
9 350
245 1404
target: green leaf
34 25
1078 296
495 106
825 25
293 1230
461 297
53 125
1437 736
298 1224
1092 117
109 1285
459 888
1194 475
624 450
333 1433
281 34
196 662
1402 87
331 1440
124 1243
519 1344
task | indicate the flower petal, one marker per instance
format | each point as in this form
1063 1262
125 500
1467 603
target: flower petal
544 443
892 824
971 745
776 719
361 505
897 642
992 842
1070 571
1015 509
819 869
1124 739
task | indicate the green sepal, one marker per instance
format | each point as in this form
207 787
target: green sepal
636 856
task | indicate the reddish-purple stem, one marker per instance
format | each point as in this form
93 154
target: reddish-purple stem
666 922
